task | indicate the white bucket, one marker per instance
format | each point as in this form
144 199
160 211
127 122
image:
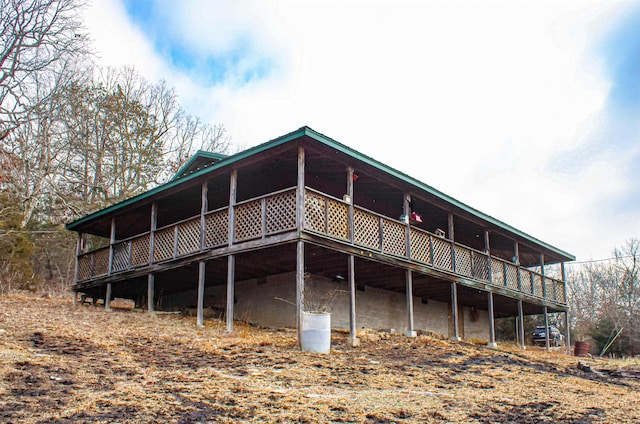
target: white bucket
316 332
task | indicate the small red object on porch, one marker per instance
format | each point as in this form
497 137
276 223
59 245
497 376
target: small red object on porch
415 217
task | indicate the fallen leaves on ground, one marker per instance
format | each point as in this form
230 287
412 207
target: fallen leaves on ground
60 363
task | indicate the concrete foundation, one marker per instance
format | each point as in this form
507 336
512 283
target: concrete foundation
271 302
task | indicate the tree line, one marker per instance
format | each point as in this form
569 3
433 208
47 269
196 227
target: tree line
605 301
75 137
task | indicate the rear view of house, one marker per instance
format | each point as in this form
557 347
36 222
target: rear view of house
264 233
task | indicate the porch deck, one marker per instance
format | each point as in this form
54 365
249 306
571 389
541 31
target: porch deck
269 217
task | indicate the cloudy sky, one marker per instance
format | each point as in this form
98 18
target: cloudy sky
526 110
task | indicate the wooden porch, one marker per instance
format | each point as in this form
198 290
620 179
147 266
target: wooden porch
334 223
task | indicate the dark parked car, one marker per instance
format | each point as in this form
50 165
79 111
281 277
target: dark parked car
555 336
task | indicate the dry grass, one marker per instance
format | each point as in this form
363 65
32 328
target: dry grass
64 364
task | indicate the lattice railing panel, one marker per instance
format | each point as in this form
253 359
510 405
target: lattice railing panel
463 261
140 250
525 280
394 239
497 272
442 253
163 244
315 212
84 267
120 256
537 285
101 262
366 229
420 246
338 219
511 276
248 220
548 289
281 212
217 228
560 292
480 266
189 236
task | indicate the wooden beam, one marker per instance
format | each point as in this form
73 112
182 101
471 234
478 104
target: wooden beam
299 288
453 243
300 194
154 225
350 174
151 303
112 240
492 325
107 298
200 306
410 324
454 311
78 253
231 276
520 325
204 207
567 334
353 336
233 190
546 328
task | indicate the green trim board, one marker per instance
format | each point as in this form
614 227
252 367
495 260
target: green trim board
321 138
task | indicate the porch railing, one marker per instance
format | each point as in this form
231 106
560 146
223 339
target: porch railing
330 216
275 213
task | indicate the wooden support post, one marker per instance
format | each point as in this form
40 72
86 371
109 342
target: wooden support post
107 298
231 291
353 335
151 302
233 189
406 210
567 334
350 174
299 288
454 311
492 324
152 233
112 240
78 253
200 305
453 243
544 284
204 207
75 298
520 325
176 235
300 194
567 337
410 324
546 328
487 248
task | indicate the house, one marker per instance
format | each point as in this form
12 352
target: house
260 234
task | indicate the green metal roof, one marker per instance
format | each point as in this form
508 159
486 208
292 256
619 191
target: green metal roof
306 131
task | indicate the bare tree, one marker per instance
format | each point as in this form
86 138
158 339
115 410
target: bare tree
35 36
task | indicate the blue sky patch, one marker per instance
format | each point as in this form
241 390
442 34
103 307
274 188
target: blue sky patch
242 63
621 52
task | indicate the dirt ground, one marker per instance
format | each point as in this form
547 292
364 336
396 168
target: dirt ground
60 363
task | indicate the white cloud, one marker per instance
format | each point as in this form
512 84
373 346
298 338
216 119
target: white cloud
478 99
